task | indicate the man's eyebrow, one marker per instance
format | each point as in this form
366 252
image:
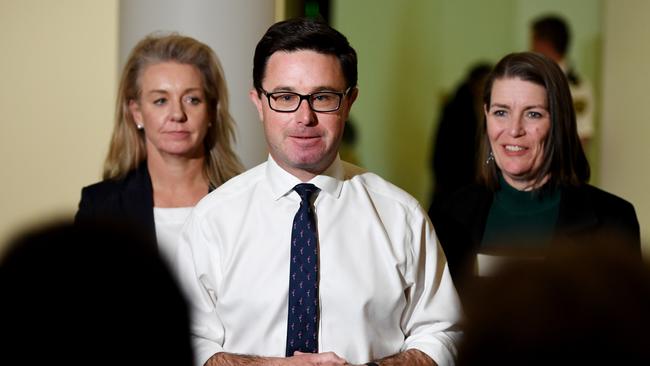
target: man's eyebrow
314 90
326 88
282 88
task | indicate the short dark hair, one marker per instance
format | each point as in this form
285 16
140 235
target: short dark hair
564 159
304 34
553 29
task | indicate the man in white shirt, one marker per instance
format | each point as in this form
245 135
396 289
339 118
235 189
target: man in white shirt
551 37
377 276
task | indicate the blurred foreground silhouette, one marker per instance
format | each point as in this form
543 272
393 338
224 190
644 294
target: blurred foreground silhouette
90 294
580 305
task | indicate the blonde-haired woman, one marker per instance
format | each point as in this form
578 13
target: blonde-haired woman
172 139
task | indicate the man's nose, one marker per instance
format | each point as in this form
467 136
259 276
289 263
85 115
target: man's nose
304 114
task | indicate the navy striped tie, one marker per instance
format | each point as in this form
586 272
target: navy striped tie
302 327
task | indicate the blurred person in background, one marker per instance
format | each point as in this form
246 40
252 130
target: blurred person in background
455 152
551 37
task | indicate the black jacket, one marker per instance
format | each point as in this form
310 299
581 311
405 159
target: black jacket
585 212
129 200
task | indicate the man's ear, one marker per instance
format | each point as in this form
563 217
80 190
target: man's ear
352 96
257 101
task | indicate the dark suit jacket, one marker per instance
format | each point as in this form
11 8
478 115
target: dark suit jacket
129 199
585 212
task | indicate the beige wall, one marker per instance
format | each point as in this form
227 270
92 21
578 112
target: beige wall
58 79
625 155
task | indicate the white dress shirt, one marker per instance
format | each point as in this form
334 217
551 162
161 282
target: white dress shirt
384 283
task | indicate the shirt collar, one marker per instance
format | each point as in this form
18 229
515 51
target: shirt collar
282 182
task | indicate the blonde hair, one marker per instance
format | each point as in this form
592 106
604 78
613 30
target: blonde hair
127 148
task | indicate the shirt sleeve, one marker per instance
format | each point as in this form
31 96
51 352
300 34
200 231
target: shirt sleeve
433 307
198 278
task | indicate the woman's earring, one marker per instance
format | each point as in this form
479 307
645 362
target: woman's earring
139 126
490 158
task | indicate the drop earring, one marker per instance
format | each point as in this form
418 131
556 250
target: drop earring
490 158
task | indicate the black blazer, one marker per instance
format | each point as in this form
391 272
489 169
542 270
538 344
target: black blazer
585 212
129 199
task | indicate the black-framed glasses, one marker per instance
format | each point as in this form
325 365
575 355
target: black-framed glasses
324 101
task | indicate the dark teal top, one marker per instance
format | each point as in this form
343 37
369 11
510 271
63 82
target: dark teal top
521 219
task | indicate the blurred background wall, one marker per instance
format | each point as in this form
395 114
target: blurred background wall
58 71
60 63
625 151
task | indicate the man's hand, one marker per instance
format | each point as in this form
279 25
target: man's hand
325 358
298 359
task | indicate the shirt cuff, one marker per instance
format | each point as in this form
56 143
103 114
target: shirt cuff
442 351
204 349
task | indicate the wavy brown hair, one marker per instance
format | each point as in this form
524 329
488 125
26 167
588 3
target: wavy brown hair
127 148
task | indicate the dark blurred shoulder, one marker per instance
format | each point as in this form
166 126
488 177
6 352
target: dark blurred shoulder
461 202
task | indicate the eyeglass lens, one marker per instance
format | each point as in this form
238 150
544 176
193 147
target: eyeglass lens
319 102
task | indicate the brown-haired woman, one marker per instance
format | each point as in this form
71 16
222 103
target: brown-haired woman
172 139
532 189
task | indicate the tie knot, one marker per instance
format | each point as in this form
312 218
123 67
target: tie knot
305 190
